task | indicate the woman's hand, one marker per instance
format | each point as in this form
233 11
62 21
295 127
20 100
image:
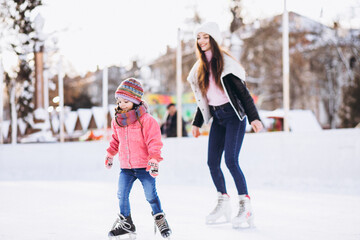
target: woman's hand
257 125
195 131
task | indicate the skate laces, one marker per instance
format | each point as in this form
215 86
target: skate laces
218 206
242 208
161 224
121 223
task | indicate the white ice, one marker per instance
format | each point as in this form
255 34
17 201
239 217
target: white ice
302 186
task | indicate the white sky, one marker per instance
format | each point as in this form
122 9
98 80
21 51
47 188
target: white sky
114 32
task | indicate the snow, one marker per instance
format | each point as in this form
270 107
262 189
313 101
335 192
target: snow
302 23
43 133
299 120
44 126
303 120
303 185
22 125
5 126
41 114
42 136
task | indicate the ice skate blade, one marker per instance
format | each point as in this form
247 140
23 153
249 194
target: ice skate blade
166 237
216 222
243 225
128 236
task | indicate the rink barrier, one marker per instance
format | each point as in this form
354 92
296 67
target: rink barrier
76 122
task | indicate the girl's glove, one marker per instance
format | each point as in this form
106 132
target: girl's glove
153 167
108 161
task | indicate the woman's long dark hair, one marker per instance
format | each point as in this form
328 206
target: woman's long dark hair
216 65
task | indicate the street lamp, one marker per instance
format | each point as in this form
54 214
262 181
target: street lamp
1 99
286 67
179 85
39 61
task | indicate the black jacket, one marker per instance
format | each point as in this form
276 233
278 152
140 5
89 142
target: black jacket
169 128
239 98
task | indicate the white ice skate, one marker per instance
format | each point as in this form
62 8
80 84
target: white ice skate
245 214
222 208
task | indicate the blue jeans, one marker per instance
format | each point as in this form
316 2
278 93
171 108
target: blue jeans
226 135
126 180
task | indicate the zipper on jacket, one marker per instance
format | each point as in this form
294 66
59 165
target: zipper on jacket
222 83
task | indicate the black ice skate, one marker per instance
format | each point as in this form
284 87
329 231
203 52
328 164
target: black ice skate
162 225
123 228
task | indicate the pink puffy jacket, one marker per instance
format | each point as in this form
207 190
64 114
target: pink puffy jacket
136 145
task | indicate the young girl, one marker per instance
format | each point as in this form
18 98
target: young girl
137 138
217 80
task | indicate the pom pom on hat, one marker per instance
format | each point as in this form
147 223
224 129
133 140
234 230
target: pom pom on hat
210 28
131 90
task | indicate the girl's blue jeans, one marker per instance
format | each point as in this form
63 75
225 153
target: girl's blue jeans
226 135
126 180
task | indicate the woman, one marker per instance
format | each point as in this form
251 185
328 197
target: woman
217 81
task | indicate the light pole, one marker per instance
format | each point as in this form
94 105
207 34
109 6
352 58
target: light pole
1 100
61 102
179 84
13 113
39 62
105 84
286 67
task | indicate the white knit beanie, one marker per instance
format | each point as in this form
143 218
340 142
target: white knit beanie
212 29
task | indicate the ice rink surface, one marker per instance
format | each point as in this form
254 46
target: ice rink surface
86 210
301 186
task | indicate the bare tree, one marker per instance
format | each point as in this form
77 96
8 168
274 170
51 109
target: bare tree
236 11
323 67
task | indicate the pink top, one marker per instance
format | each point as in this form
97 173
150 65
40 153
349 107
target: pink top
215 95
136 146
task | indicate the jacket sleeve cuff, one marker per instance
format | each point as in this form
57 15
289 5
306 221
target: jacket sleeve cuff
110 153
252 117
198 119
158 158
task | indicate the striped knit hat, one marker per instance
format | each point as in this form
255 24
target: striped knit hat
131 90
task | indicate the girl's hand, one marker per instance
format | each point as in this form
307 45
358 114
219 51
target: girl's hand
257 125
195 131
108 161
153 168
